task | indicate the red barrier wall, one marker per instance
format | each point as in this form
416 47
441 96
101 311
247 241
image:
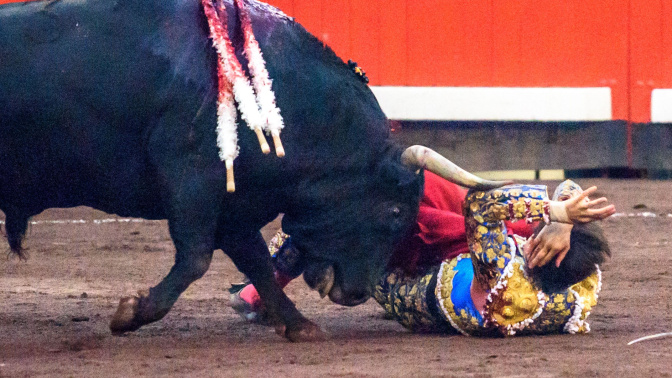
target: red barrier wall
650 53
623 44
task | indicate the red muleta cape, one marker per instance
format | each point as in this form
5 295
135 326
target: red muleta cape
439 233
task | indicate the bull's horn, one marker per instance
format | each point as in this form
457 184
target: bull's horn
423 157
326 282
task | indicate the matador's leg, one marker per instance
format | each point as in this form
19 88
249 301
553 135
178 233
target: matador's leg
410 300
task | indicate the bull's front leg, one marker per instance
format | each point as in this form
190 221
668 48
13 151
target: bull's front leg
152 305
191 263
192 225
251 257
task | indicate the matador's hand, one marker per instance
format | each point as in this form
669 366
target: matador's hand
551 242
581 209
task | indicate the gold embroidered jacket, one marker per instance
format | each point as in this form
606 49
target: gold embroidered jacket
515 304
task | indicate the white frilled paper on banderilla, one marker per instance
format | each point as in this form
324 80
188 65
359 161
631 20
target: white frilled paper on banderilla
258 111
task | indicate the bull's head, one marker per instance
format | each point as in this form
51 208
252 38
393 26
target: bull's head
350 221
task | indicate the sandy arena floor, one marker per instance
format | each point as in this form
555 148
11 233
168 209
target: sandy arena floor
56 308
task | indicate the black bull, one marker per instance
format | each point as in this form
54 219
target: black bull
112 104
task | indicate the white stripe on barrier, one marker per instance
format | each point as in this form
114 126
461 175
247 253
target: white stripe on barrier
661 105
495 103
645 214
93 221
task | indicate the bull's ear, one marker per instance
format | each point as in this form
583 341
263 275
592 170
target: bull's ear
412 179
414 185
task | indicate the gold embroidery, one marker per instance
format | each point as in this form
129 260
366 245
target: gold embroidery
587 289
404 298
462 322
516 302
276 242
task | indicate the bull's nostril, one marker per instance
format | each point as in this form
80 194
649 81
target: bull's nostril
361 296
352 297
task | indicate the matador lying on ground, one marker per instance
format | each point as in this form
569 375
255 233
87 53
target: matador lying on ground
478 273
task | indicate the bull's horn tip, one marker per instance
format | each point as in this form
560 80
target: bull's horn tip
497 184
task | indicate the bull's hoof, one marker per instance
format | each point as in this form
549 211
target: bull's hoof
307 331
126 317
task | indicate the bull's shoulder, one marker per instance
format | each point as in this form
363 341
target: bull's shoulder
267 10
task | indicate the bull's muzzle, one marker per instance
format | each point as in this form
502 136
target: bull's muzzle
352 298
322 277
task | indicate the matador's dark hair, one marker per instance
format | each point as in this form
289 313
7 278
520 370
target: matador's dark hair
588 247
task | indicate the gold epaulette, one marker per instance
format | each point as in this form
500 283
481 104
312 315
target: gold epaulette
517 306
514 303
